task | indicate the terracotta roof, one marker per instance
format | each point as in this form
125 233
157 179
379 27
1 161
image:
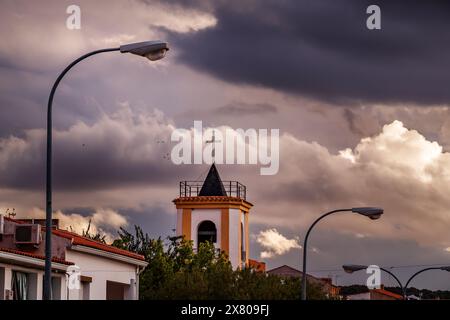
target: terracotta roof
36 256
83 241
257 265
388 293
12 220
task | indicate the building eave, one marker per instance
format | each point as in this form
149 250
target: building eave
25 261
207 202
109 255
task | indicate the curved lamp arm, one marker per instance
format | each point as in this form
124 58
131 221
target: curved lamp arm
403 288
152 50
48 207
416 274
305 243
372 213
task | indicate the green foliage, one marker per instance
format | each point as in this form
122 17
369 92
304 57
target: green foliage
175 271
353 289
96 237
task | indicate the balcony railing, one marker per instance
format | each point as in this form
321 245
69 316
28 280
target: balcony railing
233 189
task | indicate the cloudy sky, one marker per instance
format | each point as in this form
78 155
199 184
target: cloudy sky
363 116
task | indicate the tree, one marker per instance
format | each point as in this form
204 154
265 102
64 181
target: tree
175 271
96 237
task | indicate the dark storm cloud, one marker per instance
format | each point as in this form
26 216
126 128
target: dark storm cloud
118 150
352 119
323 49
242 108
154 220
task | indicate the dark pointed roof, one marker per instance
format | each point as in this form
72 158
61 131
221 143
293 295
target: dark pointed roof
213 185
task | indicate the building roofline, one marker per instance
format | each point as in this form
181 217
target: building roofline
76 239
34 259
387 293
217 201
109 255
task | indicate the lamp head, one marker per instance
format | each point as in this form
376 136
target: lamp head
446 268
152 50
372 213
350 268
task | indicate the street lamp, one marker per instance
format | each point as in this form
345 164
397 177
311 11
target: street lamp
350 268
153 50
445 268
372 213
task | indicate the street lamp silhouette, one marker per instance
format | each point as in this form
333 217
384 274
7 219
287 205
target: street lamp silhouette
445 268
152 50
350 268
372 213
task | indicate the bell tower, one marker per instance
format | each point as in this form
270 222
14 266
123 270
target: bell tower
216 211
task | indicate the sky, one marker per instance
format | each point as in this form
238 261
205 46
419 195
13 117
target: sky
363 117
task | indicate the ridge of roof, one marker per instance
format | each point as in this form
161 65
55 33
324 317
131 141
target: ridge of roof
84 241
388 293
33 255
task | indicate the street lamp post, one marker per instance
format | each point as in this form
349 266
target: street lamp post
446 268
370 212
350 268
153 50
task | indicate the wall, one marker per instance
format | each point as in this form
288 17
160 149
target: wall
101 269
359 296
179 222
35 281
235 228
59 244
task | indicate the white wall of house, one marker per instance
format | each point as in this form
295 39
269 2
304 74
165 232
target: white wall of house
35 282
101 270
359 296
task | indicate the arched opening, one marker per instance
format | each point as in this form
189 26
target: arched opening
206 232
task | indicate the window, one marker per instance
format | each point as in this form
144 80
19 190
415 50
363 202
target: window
56 288
19 284
206 232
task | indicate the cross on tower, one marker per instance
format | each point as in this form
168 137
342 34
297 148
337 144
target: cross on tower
213 141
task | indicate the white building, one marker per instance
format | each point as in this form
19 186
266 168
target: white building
105 272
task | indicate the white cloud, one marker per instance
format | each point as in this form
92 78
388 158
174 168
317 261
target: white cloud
103 221
397 169
274 243
111 23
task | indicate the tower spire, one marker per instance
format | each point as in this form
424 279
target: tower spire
213 186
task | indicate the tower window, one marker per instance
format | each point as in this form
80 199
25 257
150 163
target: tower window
207 232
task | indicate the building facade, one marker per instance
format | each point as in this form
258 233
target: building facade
216 211
103 272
